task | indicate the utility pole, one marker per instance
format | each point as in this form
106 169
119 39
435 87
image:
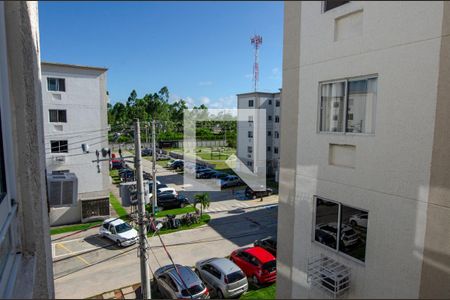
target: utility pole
154 167
145 281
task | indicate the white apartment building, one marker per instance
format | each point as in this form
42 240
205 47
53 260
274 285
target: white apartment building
364 206
75 113
271 102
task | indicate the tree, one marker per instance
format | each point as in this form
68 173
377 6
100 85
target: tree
203 199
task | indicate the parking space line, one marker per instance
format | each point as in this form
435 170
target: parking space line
71 252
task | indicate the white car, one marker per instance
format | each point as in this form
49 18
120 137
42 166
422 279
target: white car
164 190
358 220
119 232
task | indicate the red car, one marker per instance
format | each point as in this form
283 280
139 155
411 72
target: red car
257 263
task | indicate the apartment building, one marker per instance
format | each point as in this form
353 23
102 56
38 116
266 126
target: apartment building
364 206
25 258
271 102
75 126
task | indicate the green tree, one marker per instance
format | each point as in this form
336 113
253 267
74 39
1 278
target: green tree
203 200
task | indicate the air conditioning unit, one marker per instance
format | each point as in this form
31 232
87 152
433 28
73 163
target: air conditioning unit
328 274
62 189
59 159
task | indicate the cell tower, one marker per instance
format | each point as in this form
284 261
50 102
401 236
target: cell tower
256 41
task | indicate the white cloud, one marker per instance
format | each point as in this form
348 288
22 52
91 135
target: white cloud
205 83
204 100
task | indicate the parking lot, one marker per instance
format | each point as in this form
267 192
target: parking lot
98 265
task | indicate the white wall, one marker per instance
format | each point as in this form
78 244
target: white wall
85 102
400 42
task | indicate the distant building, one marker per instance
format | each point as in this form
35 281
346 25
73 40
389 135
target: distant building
26 269
365 168
271 102
75 113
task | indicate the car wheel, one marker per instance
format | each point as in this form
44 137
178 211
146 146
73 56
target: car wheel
353 223
255 280
219 294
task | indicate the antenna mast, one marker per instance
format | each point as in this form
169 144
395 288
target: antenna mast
256 41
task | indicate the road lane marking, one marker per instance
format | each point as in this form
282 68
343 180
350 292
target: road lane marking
71 252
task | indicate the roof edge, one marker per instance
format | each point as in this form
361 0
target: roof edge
74 66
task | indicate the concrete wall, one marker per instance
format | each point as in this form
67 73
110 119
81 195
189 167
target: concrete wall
35 273
400 42
85 101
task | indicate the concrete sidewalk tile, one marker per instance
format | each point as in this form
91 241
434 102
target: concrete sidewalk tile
127 290
108 295
130 296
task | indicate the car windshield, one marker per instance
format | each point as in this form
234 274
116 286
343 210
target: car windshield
123 227
270 266
193 290
235 276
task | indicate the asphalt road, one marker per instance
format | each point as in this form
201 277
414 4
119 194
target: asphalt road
86 264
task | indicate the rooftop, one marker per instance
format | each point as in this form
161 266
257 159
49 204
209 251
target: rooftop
73 66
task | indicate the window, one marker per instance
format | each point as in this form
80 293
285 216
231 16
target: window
58 115
275 150
249 163
250 103
269 118
250 134
249 149
330 4
341 228
269 149
277 103
270 102
277 119
277 134
56 84
250 119
348 105
269 133
59 146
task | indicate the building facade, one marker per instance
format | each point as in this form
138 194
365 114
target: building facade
364 206
75 116
26 269
271 102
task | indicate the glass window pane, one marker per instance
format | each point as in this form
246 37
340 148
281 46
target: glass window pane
326 222
53 113
62 116
332 107
51 84
61 85
353 232
362 96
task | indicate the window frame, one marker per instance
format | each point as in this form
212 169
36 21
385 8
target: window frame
252 101
275 150
57 115
338 233
326 10
59 146
346 81
57 84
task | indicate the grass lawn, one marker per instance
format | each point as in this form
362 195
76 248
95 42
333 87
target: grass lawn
263 293
115 203
115 176
175 211
203 220
74 227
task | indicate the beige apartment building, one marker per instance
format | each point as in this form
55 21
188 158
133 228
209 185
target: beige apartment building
365 182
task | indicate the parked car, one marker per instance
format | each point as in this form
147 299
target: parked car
169 200
150 184
164 190
146 152
116 164
250 193
206 174
359 220
219 175
257 263
173 162
268 243
179 282
230 180
127 175
326 234
223 276
119 232
201 169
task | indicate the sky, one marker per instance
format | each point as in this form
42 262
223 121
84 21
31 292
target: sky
200 50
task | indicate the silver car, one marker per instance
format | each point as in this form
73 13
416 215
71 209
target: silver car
222 276
179 283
